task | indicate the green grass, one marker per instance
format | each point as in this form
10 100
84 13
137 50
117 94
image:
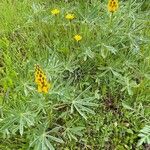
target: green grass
100 95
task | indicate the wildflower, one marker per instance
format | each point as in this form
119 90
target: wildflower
70 16
55 11
112 5
77 37
41 80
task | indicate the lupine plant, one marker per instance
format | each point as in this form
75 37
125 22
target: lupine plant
74 75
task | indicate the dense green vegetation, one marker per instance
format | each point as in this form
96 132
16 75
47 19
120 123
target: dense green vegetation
99 97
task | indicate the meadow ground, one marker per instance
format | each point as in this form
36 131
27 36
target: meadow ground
74 75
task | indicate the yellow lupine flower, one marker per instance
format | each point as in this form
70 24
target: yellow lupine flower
41 80
70 16
39 89
112 5
45 88
55 11
78 37
39 74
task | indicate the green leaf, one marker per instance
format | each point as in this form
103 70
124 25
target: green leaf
80 112
21 126
127 106
111 49
55 139
49 145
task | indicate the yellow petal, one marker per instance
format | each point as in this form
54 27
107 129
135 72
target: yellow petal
55 11
70 16
39 89
77 37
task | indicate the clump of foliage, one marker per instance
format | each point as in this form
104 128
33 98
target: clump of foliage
97 62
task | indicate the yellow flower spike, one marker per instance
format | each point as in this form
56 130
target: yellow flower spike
55 11
70 16
41 80
112 5
78 37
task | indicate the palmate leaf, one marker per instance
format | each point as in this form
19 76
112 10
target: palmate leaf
42 139
127 84
73 132
144 135
18 120
110 48
7 122
85 109
43 143
82 106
